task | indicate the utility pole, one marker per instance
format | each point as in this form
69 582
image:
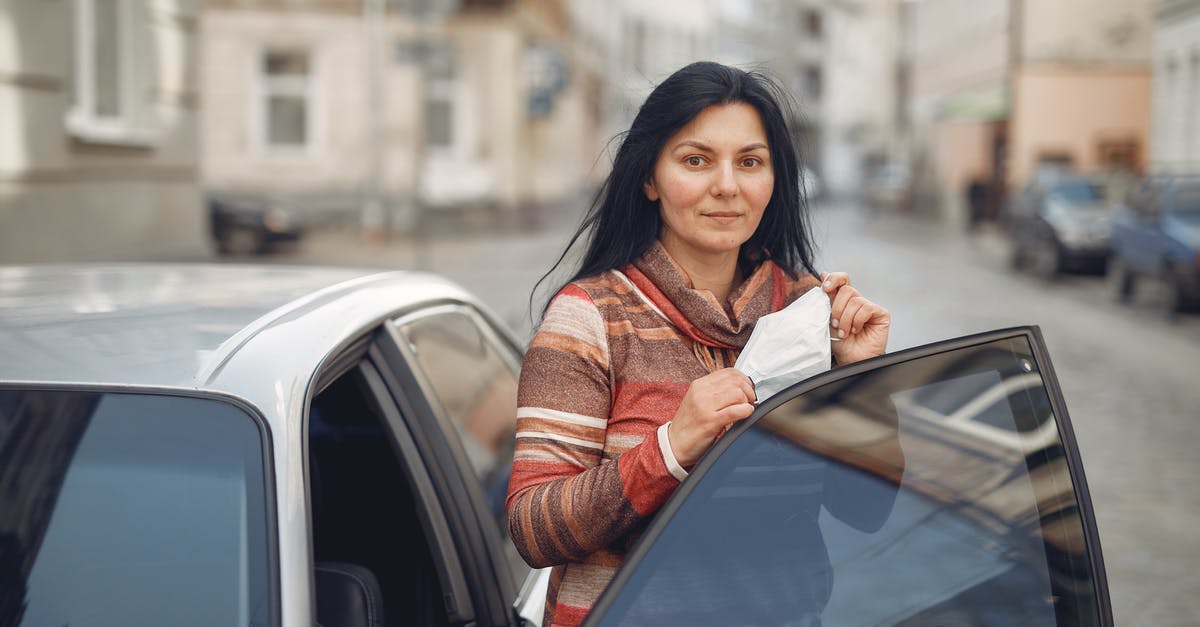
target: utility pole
373 205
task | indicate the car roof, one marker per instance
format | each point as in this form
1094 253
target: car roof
188 325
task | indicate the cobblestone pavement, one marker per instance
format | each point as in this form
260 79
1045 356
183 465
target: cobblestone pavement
1129 376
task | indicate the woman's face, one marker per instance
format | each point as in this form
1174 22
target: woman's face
712 181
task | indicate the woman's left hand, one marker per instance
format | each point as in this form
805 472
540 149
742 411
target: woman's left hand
860 325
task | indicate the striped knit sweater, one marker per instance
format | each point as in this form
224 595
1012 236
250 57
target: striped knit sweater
604 374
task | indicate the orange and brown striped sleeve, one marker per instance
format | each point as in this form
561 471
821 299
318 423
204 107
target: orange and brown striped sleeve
565 501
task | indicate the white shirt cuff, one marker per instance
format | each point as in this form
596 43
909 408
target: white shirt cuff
664 445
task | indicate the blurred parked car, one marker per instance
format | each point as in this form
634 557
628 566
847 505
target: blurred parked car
286 446
1060 221
888 188
1157 236
250 225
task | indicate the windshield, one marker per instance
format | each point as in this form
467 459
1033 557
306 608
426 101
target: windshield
1076 192
128 509
933 491
1186 199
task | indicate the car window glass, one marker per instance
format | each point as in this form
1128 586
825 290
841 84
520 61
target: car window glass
476 387
1072 191
1186 198
125 509
929 492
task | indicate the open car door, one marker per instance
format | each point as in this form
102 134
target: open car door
939 485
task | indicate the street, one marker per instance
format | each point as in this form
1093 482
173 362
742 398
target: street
1128 375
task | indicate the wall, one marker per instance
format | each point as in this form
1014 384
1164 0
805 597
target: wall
1070 112
66 195
1176 143
1085 31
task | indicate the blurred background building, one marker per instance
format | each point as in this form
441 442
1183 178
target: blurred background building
98 131
130 126
1176 92
390 109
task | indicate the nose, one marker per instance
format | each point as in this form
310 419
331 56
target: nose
725 185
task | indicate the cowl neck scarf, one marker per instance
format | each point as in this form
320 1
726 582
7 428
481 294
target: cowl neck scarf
697 313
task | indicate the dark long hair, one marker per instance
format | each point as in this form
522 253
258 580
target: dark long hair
623 223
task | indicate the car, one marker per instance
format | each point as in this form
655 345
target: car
1156 236
1060 221
251 224
232 444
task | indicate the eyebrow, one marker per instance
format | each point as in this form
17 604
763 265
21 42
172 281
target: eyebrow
706 147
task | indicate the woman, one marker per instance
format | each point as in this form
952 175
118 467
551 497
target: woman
698 231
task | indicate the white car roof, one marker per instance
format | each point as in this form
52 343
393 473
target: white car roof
188 325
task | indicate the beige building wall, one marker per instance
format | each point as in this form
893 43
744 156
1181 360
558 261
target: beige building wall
1077 115
1081 85
964 152
859 108
79 186
960 55
1175 147
481 65
960 50
1086 31
236 154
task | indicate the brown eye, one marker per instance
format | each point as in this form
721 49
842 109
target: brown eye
694 161
750 162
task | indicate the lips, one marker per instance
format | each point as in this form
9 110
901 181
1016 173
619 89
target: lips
723 217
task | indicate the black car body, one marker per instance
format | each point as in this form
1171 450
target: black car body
1157 236
250 225
1060 221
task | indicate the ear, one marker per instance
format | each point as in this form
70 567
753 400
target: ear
651 191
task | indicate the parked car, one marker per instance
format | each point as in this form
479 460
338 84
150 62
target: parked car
1060 221
231 445
1157 236
250 224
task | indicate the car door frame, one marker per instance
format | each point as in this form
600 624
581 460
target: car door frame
1057 403
487 573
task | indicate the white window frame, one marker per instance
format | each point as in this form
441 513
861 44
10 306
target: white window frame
305 87
131 125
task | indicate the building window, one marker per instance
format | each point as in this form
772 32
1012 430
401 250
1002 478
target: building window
812 23
107 81
441 87
287 100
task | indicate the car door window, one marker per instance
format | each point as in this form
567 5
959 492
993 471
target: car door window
374 505
930 490
474 378
132 509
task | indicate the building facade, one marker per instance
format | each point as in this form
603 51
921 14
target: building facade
98 131
998 87
1081 85
375 109
1175 147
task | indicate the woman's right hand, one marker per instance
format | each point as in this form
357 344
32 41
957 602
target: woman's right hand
712 403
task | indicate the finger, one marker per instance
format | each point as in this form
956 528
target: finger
867 313
734 413
846 320
745 385
838 305
831 281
